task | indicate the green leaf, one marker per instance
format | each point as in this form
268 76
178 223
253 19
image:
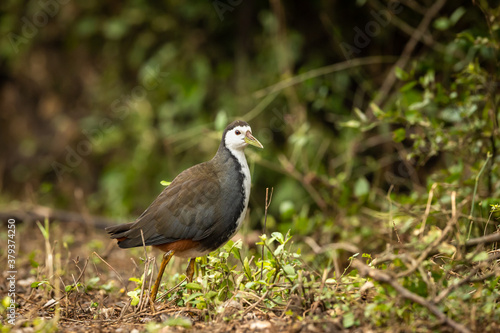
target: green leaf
236 252
249 285
221 120
376 110
401 74
37 284
134 294
115 28
287 209
348 320
495 208
447 248
442 23
360 115
481 256
192 297
44 229
457 15
361 187
278 236
399 135
165 183
179 321
194 286
94 280
247 269
289 270
408 86
211 294
278 250
351 123
6 301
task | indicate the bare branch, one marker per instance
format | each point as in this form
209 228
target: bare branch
382 277
408 50
483 240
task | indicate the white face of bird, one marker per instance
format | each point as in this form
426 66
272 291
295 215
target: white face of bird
239 137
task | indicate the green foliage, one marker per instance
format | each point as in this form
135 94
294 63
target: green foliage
357 167
155 99
170 322
224 279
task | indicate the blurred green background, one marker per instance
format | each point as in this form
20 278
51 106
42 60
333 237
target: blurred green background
353 100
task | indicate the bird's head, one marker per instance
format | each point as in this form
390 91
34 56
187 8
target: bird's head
238 135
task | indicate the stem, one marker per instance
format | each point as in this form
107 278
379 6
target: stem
471 215
268 203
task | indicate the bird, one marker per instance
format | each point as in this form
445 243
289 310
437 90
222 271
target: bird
200 210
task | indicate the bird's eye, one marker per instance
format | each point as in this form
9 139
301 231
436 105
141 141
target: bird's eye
237 132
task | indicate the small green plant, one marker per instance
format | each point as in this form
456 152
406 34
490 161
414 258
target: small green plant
136 293
44 284
227 274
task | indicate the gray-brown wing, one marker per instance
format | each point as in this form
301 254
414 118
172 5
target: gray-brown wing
186 209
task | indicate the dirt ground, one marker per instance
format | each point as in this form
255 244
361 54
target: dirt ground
80 254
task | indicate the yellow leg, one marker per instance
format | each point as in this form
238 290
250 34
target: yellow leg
166 258
190 269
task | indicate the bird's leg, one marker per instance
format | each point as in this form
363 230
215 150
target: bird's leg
166 258
190 269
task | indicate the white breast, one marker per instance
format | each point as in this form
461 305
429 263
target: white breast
240 156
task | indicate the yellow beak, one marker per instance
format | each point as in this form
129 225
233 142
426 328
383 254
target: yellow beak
251 140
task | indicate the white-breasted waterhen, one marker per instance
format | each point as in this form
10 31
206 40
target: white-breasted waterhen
200 210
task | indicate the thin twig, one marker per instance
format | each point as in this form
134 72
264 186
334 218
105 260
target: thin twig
292 171
484 277
471 217
430 249
323 280
162 296
427 210
143 302
382 277
256 303
390 213
488 222
408 29
81 272
112 268
390 79
330 247
268 203
445 292
322 71
483 240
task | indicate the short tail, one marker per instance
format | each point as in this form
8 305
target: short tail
137 233
119 232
